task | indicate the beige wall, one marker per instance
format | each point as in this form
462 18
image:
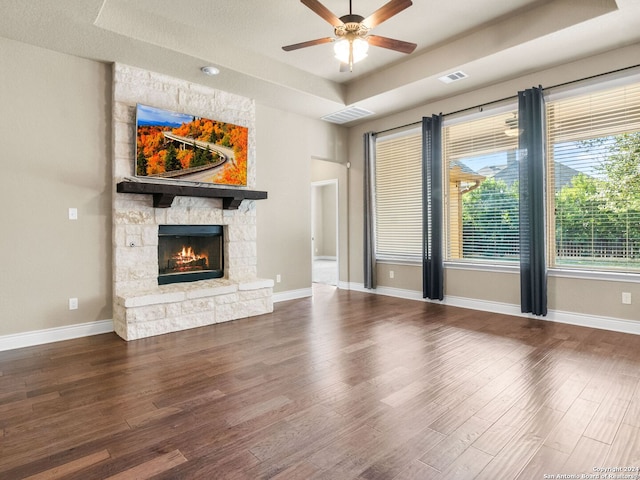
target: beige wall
324 221
317 218
55 119
285 146
322 170
582 296
329 220
594 297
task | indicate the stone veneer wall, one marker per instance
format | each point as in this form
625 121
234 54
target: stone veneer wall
141 307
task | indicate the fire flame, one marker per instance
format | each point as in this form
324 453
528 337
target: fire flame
187 256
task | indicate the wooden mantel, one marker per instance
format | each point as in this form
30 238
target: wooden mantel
163 194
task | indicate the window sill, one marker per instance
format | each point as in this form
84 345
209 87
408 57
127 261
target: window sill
515 269
478 267
595 275
483 267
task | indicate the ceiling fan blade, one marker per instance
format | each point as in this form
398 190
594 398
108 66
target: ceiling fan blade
324 12
391 44
385 12
310 43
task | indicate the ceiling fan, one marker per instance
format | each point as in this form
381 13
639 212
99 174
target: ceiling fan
351 31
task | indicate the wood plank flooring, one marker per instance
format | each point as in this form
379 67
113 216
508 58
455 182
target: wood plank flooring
346 385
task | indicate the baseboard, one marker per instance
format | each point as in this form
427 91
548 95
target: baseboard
603 323
49 335
292 295
580 319
40 337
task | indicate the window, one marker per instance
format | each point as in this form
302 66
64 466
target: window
481 184
592 173
594 180
399 197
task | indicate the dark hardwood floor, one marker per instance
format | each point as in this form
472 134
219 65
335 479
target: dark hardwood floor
344 385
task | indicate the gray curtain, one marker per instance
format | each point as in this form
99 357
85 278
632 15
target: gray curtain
369 210
432 224
533 264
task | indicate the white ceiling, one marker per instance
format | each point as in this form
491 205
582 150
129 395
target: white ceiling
490 40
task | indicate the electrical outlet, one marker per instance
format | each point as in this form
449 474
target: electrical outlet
73 214
278 278
73 304
392 274
626 298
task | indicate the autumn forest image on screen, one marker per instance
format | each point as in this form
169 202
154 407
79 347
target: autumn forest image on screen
171 145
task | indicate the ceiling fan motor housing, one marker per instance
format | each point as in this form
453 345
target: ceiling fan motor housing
351 18
353 26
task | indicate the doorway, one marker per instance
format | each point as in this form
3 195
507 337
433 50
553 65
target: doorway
324 232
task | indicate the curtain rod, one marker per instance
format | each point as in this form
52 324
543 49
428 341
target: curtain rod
482 105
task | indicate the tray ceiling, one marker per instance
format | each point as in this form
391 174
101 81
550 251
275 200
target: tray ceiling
489 40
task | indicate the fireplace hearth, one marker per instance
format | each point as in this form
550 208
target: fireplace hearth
187 253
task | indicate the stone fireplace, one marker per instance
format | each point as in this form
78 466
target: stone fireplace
145 303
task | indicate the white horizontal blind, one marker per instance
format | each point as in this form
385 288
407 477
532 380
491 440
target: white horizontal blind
594 172
481 175
482 136
399 197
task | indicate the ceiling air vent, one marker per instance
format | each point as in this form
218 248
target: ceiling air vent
453 77
347 115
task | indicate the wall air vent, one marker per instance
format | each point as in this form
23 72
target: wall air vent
347 115
453 77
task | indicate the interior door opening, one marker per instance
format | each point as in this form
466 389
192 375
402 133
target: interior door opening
324 232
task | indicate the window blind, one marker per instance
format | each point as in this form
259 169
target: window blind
481 178
399 197
594 164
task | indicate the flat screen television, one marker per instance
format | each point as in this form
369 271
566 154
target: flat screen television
178 146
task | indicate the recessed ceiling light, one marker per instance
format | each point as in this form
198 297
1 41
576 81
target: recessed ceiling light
210 70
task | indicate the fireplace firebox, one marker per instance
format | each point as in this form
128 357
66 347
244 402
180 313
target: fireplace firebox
187 253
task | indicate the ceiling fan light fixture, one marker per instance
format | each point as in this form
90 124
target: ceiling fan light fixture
356 48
